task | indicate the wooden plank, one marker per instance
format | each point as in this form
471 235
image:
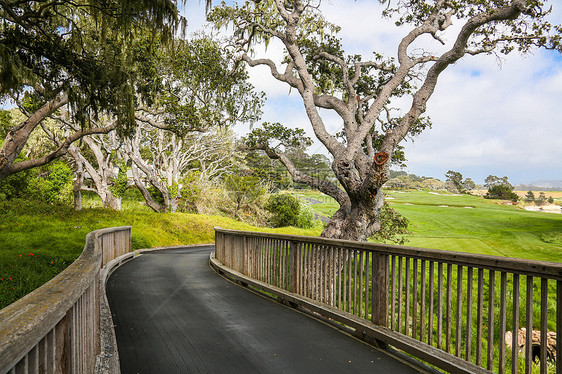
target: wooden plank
449 307
333 276
440 305
459 315
415 300
544 323
480 316
422 301
400 296
491 322
468 341
350 281
361 280
431 300
407 306
503 321
367 283
559 326
355 285
527 267
380 290
515 326
393 293
529 327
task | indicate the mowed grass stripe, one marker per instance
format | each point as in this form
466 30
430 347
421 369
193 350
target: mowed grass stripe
470 224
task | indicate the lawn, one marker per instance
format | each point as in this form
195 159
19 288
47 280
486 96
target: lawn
471 224
37 241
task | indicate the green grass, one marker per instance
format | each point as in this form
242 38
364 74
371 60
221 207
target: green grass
38 241
470 224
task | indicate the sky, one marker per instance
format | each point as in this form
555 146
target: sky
490 116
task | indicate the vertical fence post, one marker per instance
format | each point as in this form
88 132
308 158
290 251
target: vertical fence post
380 289
246 257
293 267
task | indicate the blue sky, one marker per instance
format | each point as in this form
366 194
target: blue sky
490 116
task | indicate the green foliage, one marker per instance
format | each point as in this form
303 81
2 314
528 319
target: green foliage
5 123
51 184
456 180
530 197
274 135
56 187
120 184
244 190
552 237
305 219
201 87
502 191
541 200
267 169
18 185
285 209
288 210
394 226
81 48
55 234
190 193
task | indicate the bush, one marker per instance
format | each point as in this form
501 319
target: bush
288 210
285 209
305 220
501 191
17 185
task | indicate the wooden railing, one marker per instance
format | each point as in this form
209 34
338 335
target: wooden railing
449 309
56 328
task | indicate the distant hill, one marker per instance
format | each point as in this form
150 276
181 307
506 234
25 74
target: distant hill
548 185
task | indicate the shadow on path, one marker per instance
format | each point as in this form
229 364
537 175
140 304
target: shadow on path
173 314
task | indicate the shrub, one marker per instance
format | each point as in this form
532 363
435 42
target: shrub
305 220
288 210
501 191
285 209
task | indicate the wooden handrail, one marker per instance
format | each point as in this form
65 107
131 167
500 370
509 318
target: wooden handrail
55 329
450 309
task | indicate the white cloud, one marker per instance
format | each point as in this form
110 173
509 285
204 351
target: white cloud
487 119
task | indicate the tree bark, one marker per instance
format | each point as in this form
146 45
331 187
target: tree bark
17 137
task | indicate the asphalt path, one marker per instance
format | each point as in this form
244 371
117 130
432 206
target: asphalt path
173 314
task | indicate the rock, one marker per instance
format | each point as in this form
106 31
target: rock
536 343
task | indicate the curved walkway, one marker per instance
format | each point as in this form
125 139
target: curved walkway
173 314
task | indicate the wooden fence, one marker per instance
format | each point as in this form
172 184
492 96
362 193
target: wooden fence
56 328
453 310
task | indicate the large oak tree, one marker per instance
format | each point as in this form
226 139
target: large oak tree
362 92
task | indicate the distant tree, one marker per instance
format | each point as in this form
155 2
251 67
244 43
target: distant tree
460 185
432 184
530 197
501 191
492 180
550 200
244 191
541 200
469 184
400 182
500 188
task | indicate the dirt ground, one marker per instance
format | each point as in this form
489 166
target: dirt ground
554 194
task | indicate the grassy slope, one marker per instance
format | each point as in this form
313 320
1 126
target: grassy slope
38 241
484 227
